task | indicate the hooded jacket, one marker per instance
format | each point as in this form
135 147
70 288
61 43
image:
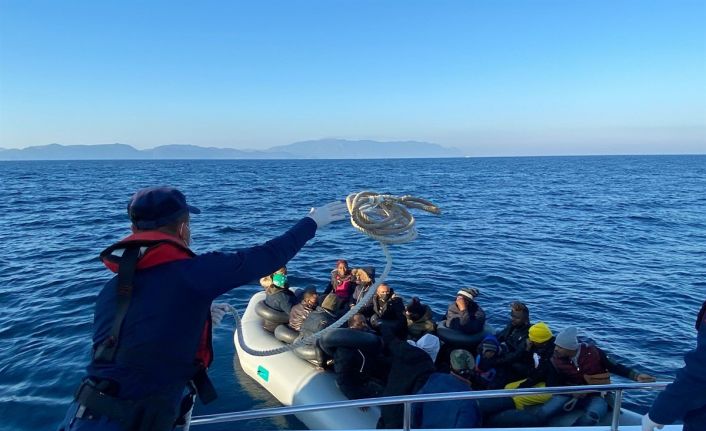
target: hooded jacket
410 369
361 288
469 321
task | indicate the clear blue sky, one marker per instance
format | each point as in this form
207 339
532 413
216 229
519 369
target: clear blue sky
490 77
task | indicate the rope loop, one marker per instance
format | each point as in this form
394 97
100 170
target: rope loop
386 218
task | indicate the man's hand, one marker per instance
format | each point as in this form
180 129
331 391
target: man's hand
645 378
217 312
328 213
649 425
461 304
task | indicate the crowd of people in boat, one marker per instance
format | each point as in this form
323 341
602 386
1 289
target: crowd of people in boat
407 351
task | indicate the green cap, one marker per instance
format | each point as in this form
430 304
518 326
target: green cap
279 280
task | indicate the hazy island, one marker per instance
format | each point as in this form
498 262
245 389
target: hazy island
317 149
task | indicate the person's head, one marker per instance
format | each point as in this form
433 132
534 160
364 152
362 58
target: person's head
162 209
566 343
414 310
342 267
468 294
383 292
393 331
331 303
539 334
489 347
519 314
462 363
358 321
364 276
430 343
310 298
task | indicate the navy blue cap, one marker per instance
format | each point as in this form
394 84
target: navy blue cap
154 207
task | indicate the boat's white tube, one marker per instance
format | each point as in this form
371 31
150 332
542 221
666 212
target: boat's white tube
294 381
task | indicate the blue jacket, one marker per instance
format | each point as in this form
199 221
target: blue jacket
445 414
164 325
685 398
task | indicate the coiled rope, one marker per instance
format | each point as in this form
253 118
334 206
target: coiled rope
384 218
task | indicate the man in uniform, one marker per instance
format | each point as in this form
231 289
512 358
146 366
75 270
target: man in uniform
685 398
152 322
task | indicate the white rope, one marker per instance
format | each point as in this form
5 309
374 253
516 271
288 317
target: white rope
385 218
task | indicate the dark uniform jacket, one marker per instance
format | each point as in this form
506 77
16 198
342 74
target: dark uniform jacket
685 398
164 326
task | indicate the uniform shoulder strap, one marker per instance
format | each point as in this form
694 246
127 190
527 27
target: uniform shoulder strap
106 350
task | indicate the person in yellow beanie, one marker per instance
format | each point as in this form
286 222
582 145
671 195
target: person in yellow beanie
540 333
539 350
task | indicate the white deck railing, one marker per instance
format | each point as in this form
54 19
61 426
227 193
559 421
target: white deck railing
408 400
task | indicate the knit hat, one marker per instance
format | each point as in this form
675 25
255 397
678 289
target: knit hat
567 339
469 292
489 344
279 280
462 360
540 333
330 303
429 343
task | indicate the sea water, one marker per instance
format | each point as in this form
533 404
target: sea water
613 245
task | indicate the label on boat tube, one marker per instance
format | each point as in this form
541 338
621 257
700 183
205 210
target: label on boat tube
263 373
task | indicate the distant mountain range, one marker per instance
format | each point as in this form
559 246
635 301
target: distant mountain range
318 149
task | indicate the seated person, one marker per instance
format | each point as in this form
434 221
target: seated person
385 307
485 374
445 414
279 298
303 309
583 364
513 338
355 368
465 314
364 278
541 373
420 319
341 283
410 367
322 317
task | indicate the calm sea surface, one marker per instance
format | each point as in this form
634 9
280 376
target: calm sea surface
613 245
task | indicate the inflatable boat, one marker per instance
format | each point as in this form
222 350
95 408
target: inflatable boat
295 381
